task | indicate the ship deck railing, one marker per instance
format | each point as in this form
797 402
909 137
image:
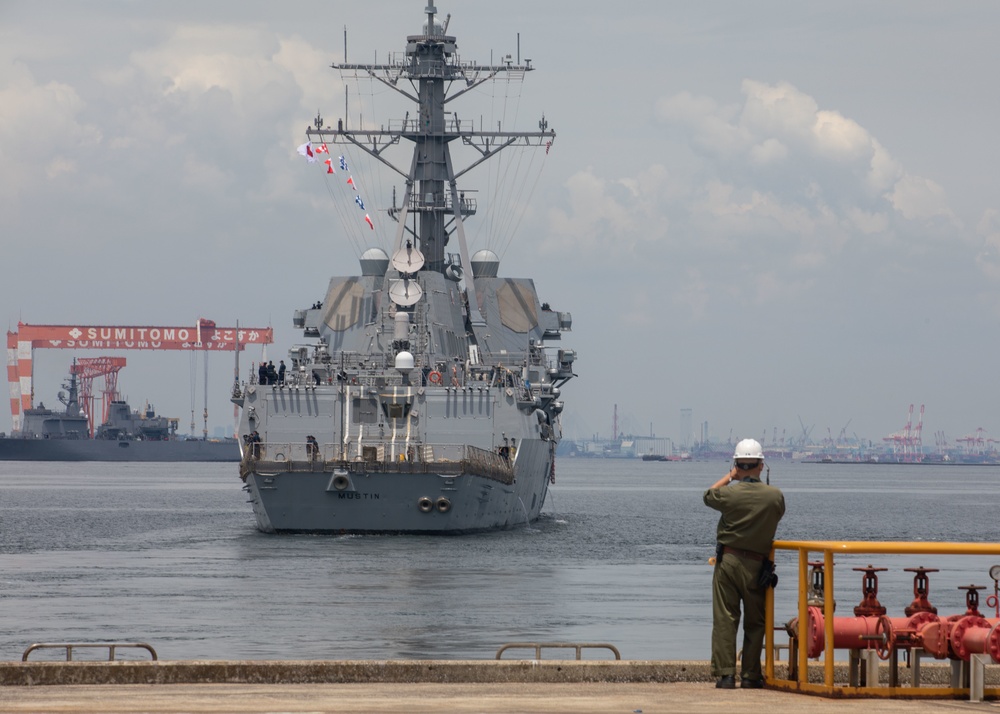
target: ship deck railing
274 457
505 375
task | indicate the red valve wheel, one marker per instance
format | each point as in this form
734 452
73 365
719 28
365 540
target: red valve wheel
885 644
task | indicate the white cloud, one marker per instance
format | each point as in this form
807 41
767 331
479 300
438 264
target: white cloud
238 78
918 198
841 139
310 67
41 130
802 183
867 222
195 59
884 171
711 124
201 116
603 214
203 175
778 110
769 151
685 107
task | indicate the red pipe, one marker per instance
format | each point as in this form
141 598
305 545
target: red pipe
848 632
975 635
904 633
871 628
961 636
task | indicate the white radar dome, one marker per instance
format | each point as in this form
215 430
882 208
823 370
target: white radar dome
404 361
485 264
374 261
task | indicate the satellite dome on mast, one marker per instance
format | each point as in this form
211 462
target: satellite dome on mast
374 261
485 264
439 27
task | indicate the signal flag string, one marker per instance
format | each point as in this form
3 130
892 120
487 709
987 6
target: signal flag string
309 152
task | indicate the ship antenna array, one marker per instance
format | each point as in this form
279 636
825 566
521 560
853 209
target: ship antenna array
431 194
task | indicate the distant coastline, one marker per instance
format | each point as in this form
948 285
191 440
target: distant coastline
901 463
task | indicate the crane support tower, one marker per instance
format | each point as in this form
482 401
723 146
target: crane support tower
203 336
89 368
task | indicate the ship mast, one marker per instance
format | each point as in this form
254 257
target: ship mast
427 69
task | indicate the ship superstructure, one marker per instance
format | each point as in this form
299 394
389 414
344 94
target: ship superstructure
428 399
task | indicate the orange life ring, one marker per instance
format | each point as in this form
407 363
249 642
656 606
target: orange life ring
434 377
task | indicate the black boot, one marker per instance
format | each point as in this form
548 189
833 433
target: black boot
727 681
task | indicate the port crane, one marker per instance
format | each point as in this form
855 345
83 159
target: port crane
907 444
806 433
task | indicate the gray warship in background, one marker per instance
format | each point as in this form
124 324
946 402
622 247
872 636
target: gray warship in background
126 435
429 401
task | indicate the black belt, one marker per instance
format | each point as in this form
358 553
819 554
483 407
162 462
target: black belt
742 553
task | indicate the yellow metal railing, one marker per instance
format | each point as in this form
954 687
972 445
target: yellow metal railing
801 682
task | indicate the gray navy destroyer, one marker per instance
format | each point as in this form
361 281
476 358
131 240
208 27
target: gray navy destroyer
126 435
427 399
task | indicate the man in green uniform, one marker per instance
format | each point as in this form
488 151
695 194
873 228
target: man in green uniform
745 535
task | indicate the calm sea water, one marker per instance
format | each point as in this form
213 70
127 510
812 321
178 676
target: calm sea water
168 554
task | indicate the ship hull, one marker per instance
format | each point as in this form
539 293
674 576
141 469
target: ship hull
307 497
97 450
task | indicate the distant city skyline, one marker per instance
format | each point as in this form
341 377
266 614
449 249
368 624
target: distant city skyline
804 433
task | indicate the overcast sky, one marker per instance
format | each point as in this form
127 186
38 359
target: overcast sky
760 211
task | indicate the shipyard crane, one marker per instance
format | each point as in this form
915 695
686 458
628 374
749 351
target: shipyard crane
203 336
89 368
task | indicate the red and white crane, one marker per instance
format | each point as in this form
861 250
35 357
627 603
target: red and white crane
203 336
906 444
89 368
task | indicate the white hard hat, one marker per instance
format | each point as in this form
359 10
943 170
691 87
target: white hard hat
748 449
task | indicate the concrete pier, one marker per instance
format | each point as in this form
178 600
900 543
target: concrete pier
351 672
391 686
